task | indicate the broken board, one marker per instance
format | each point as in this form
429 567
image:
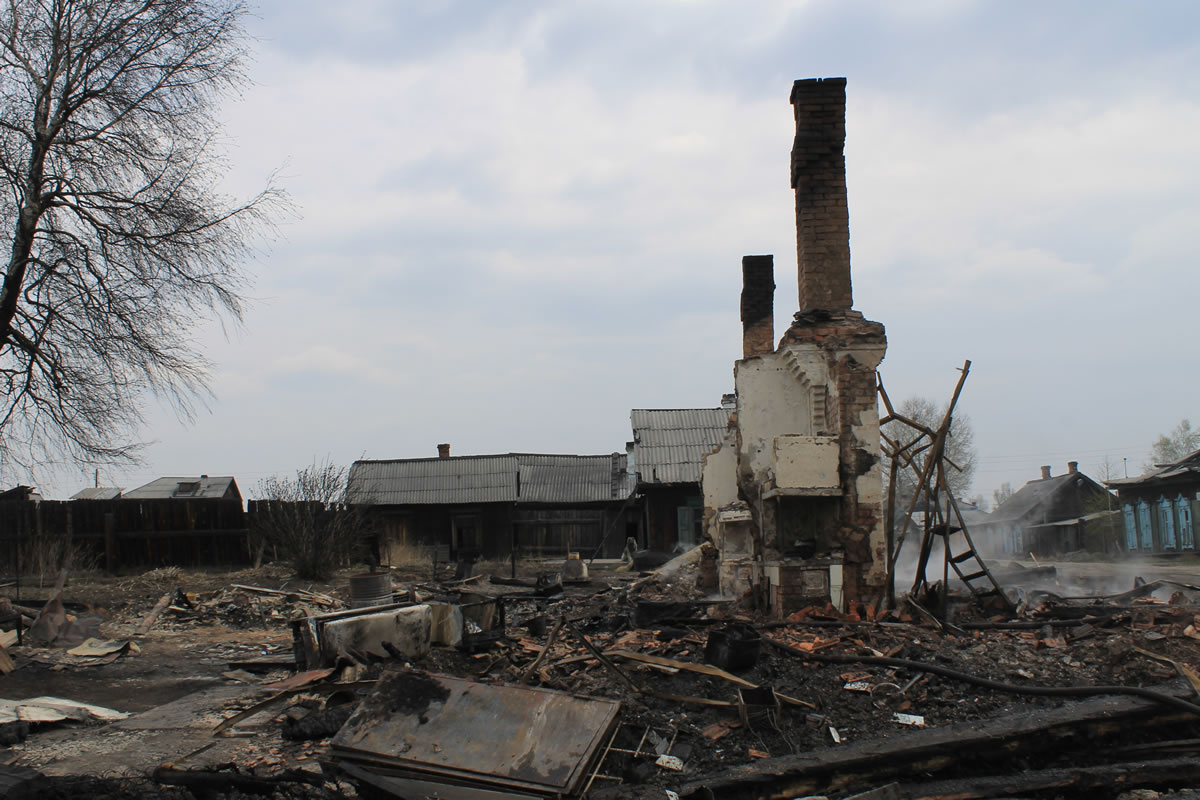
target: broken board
491 735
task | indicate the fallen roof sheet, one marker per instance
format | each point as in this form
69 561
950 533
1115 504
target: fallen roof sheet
491 735
55 709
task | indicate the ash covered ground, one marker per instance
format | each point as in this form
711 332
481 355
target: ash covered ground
217 648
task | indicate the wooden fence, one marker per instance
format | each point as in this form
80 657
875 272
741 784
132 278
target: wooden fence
114 534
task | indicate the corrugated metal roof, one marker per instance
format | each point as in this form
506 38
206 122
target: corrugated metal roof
567 479
507 478
670 443
97 493
424 481
201 486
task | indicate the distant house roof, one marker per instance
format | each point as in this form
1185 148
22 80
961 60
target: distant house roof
21 493
97 493
1185 469
505 478
200 486
1065 523
669 444
1038 496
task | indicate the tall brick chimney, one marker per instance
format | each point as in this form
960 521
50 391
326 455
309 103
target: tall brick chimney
819 178
1072 467
758 305
444 450
1046 472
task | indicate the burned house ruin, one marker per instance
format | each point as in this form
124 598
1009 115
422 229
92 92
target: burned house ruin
793 496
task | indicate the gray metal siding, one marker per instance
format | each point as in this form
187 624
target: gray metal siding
670 444
434 481
566 479
509 478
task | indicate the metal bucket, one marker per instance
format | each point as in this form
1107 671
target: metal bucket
370 589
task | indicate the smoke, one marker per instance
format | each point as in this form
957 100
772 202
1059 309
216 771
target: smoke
1068 579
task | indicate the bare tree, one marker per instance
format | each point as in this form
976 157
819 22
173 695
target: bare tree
1003 493
312 520
960 445
1109 469
121 242
1174 445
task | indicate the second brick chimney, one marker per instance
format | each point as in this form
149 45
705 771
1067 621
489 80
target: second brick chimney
444 450
758 305
819 178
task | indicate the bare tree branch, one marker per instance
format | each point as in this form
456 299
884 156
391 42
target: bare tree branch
312 519
120 242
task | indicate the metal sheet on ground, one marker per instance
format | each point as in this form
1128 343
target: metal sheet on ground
408 786
200 709
512 736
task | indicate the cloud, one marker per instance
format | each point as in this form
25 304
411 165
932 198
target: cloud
520 220
323 361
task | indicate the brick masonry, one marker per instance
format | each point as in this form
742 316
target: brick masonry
838 335
819 178
758 305
826 317
824 365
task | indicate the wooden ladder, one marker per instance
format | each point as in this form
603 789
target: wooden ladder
969 566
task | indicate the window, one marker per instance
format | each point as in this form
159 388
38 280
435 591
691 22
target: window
466 531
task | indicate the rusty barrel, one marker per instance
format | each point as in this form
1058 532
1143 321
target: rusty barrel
370 589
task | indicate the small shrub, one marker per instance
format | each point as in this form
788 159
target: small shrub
308 521
46 555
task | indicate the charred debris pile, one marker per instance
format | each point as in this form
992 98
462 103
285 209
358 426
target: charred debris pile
651 686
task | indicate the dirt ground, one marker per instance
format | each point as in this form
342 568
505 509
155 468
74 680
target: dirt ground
218 653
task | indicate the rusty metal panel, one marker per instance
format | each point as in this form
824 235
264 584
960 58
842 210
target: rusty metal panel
490 734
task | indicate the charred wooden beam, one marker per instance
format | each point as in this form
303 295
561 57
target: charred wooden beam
1136 774
862 765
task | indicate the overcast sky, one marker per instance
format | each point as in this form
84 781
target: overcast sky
517 221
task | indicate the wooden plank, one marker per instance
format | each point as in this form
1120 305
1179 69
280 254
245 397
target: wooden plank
148 622
702 669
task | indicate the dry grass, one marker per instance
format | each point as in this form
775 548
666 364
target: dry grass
409 556
42 557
